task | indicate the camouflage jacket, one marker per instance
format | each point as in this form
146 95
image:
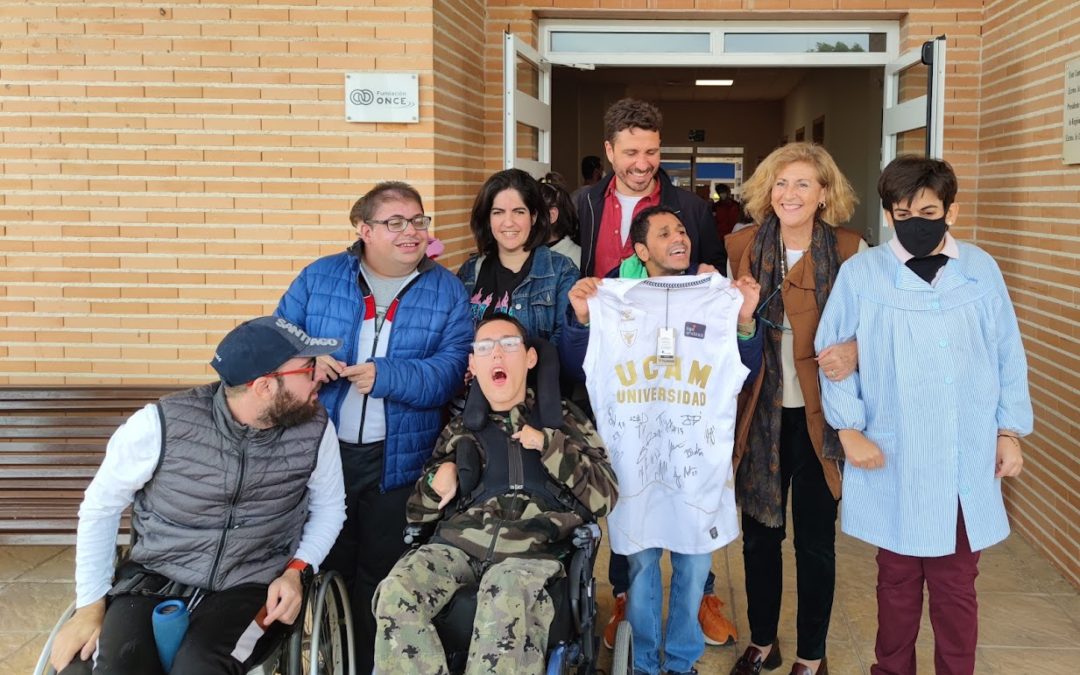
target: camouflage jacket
514 524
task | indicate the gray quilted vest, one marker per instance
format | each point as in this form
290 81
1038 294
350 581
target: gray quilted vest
227 502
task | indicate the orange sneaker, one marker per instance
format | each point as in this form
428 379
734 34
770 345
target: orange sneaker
716 627
617 616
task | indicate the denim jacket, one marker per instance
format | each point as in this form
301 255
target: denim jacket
540 300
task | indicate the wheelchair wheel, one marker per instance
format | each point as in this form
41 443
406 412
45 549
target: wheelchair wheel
325 646
622 660
43 666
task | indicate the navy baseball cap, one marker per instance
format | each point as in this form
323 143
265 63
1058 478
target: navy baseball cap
260 346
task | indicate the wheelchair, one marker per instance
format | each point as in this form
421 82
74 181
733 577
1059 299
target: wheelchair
320 641
573 641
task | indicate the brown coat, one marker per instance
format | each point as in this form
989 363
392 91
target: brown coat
803 314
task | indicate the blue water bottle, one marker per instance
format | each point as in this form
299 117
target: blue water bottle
170 623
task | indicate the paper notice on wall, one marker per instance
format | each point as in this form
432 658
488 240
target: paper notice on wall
1071 143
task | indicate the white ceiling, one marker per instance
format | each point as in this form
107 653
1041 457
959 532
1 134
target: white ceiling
677 84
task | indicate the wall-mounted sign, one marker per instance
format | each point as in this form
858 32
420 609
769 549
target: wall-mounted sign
1070 146
382 97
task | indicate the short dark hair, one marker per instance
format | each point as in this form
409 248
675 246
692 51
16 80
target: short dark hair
639 226
723 189
388 191
529 190
630 113
556 196
497 316
589 164
907 175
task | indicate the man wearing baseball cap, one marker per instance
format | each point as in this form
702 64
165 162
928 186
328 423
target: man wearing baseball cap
236 493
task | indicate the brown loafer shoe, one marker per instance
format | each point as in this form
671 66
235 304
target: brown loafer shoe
751 663
803 669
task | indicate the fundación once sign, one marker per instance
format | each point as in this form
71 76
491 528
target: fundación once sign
382 97
1070 144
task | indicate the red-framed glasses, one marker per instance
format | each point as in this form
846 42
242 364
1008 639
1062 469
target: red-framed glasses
297 371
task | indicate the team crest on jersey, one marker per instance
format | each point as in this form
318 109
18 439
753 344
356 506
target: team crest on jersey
627 328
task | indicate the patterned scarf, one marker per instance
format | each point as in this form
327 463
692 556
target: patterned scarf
759 472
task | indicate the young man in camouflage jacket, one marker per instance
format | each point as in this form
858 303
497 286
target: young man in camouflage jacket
507 539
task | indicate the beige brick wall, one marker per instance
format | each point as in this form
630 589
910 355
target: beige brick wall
1028 217
461 110
166 170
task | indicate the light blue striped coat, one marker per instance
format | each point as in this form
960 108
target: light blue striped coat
941 370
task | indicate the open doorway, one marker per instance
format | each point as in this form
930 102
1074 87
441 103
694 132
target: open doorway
843 84
719 134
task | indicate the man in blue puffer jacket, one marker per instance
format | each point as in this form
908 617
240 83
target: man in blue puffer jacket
407 336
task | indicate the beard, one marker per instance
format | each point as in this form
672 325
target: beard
286 410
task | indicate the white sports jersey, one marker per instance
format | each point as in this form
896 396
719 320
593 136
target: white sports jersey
669 428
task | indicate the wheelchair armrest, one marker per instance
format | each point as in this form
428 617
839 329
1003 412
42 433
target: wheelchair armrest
586 535
416 534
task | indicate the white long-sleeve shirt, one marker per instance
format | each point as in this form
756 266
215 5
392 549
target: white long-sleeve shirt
130 460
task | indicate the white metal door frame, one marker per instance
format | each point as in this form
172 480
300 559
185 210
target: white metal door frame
519 107
926 111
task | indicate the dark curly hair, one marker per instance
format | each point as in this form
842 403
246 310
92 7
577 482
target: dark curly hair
556 196
630 113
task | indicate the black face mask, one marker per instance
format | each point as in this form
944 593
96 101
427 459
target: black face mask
920 236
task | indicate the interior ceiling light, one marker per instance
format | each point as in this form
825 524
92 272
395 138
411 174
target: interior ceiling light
714 83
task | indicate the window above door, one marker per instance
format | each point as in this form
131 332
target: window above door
590 42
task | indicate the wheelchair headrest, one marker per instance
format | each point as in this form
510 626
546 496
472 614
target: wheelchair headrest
544 381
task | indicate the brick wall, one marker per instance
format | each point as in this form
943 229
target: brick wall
1028 218
167 170
460 111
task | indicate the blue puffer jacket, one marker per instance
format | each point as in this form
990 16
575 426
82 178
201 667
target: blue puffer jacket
540 300
425 359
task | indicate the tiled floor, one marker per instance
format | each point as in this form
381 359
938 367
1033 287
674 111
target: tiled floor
1029 615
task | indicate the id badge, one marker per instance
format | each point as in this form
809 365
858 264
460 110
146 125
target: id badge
665 346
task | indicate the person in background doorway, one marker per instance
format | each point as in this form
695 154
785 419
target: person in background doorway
564 220
404 320
745 220
931 422
605 210
514 272
798 196
726 211
592 170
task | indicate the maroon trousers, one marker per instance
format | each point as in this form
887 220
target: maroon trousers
954 611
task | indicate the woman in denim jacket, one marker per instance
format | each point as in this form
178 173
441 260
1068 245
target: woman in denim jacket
514 272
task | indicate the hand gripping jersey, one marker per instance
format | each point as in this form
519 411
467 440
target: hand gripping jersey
669 428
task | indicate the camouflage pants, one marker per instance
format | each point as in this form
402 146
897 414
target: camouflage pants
513 613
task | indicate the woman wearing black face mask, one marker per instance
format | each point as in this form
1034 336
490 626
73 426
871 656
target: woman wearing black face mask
796 196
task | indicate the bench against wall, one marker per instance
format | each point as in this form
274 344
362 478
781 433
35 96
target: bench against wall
51 443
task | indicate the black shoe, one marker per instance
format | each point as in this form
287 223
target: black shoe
751 663
803 669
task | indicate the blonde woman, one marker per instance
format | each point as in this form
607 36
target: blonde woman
797 197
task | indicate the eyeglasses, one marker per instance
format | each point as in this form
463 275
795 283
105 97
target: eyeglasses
279 373
399 223
509 343
761 317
